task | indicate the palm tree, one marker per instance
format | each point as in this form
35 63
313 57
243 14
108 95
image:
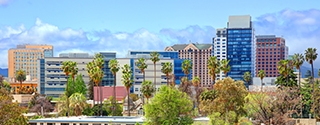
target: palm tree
78 101
247 77
147 89
225 67
141 64
21 77
127 81
213 67
114 68
99 62
298 60
196 82
154 58
261 74
167 69
186 67
90 66
310 56
67 69
97 75
284 69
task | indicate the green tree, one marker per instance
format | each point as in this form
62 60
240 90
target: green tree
298 60
284 68
289 81
167 69
230 96
186 67
225 67
141 64
97 75
169 106
185 86
247 77
310 56
147 89
99 62
108 106
78 87
213 67
78 102
261 75
127 81
90 88
69 68
20 76
196 82
11 112
154 58
114 68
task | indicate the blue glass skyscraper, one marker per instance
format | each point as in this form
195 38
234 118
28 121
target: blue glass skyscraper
240 46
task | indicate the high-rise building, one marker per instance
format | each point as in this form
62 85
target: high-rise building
199 54
220 48
25 57
270 50
240 46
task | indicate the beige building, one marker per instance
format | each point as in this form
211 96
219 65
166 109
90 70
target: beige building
25 57
199 54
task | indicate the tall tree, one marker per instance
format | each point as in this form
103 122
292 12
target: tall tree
141 64
169 107
261 75
186 67
90 66
154 58
147 89
167 69
127 81
99 62
114 68
310 56
247 77
298 60
213 67
284 68
20 76
196 82
225 67
69 68
97 75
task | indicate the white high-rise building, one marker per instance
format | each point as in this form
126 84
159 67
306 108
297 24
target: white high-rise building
220 48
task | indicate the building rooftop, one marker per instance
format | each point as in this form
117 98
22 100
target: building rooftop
199 46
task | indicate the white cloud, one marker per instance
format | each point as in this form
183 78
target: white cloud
4 2
301 29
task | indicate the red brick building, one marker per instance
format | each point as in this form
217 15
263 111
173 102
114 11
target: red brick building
269 51
107 91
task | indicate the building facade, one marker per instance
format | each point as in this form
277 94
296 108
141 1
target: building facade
220 48
199 55
25 57
52 80
270 50
240 46
165 56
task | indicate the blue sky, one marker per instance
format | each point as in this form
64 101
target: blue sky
119 25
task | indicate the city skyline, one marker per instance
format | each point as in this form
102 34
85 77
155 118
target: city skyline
143 25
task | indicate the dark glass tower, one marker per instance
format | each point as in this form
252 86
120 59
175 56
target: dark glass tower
240 46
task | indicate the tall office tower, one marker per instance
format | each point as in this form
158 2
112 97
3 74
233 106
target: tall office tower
165 56
220 48
199 54
240 46
25 57
270 50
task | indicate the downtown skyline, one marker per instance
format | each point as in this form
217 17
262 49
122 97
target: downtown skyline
121 26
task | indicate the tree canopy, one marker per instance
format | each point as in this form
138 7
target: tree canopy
169 106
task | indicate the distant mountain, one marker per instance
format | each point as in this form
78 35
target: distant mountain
4 72
304 69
